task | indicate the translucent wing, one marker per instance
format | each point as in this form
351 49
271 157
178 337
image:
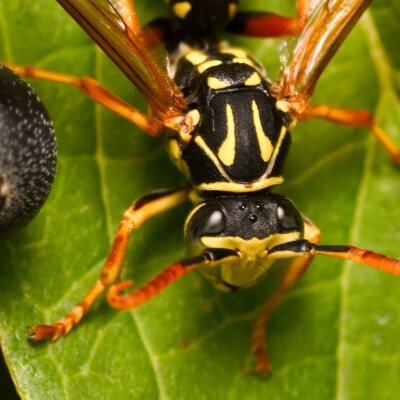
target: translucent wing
113 25
329 24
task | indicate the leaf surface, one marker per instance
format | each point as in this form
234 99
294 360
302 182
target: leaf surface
334 336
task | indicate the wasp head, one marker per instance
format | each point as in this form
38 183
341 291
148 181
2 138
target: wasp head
250 225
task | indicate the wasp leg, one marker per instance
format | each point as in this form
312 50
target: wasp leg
144 208
292 274
127 12
97 93
306 250
152 35
355 118
210 257
268 25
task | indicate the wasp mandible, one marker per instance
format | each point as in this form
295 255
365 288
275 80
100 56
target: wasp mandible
228 130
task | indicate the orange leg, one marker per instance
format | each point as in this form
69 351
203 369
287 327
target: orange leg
146 207
360 256
97 93
210 257
292 274
355 118
127 12
267 25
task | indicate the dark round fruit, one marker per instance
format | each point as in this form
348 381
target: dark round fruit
28 153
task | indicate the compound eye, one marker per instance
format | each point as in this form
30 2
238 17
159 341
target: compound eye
209 220
214 222
288 215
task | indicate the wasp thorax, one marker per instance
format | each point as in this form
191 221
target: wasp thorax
243 223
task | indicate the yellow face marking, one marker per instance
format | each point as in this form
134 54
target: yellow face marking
181 9
240 60
253 261
195 116
196 57
208 64
253 80
232 10
215 83
266 146
235 51
251 248
226 152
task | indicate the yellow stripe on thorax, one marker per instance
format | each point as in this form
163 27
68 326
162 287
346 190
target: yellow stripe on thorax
215 83
253 80
226 152
282 135
235 51
210 154
181 9
237 187
266 146
196 57
208 64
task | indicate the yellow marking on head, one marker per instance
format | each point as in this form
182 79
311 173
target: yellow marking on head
235 51
208 64
236 187
253 80
265 144
241 60
250 248
194 115
215 83
253 261
232 10
226 152
196 57
181 9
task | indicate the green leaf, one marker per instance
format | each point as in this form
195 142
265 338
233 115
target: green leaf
333 336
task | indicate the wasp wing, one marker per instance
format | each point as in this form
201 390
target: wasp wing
125 44
329 24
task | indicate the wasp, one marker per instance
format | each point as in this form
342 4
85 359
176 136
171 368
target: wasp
227 129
